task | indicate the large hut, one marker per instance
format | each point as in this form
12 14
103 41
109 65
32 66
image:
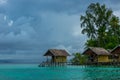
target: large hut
96 54
57 55
116 54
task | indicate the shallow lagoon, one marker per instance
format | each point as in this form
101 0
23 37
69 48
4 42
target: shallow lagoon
33 72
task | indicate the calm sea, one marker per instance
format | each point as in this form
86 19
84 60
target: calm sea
33 72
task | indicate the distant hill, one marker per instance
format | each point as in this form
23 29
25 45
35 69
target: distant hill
14 61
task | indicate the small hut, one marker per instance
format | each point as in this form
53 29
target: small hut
116 54
96 54
57 55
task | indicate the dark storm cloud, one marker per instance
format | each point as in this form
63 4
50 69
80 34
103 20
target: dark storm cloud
36 7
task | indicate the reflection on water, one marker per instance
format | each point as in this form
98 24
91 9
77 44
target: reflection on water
33 72
85 73
101 73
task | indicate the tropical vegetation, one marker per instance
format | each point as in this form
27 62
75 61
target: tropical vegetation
101 26
78 58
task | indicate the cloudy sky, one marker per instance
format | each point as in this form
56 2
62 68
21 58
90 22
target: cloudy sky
28 28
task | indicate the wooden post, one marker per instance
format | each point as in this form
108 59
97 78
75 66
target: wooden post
47 58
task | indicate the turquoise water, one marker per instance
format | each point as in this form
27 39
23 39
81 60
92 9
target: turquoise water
33 72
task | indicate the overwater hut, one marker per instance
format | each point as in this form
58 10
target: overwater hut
116 54
57 55
96 54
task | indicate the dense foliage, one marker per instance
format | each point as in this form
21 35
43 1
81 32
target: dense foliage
78 58
101 26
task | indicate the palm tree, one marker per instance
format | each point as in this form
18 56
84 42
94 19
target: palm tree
115 28
87 25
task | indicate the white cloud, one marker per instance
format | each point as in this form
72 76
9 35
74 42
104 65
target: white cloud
3 1
76 31
117 13
10 23
60 47
5 18
69 48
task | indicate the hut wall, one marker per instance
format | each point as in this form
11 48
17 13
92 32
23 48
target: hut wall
117 59
103 58
60 59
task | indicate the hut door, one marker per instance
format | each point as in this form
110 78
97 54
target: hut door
53 59
92 58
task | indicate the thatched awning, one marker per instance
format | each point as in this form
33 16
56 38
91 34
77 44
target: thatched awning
56 52
96 50
116 50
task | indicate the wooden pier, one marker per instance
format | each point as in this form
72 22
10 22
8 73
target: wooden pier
48 64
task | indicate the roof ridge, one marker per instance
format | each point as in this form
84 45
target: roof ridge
59 52
115 48
96 47
56 49
98 50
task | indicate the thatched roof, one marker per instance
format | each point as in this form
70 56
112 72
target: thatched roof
56 52
96 50
116 50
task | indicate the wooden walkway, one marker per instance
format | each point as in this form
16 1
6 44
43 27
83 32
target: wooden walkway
48 64
45 64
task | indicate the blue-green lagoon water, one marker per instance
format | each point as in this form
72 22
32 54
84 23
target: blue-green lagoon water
33 72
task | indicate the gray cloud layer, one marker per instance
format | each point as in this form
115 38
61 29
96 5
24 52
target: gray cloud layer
29 27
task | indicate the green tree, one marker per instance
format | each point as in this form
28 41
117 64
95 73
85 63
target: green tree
101 26
78 58
115 28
